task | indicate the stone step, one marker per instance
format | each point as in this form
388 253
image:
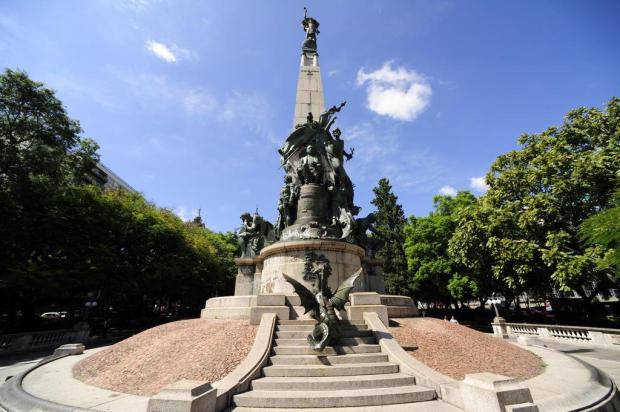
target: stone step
426 406
347 333
297 322
377 368
313 322
328 359
333 382
330 350
334 398
340 342
308 328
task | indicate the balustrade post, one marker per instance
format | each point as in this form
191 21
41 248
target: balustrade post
499 327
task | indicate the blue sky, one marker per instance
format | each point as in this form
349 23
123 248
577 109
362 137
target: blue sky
189 100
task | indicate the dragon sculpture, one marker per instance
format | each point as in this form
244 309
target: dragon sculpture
321 303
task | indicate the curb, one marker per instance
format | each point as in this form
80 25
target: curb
583 399
14 398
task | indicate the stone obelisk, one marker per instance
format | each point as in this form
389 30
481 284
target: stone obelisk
309 97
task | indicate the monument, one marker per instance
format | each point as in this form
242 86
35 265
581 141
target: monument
316 214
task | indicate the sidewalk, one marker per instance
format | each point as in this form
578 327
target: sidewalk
54 382
607 360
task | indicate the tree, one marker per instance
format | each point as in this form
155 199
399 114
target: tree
227 249
435 276
42 154
63 241
601 232
539 195
469 249
390 223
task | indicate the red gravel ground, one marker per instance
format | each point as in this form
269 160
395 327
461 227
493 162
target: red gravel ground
456 350
196 349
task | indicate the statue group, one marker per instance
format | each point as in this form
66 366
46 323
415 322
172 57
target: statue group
254 234
313 158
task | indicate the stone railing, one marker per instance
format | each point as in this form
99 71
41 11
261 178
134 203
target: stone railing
25 342
576 335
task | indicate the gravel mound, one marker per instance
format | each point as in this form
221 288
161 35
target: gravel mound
456 350
198 349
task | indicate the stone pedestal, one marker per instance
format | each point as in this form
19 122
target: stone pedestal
362 302
374 270
247 268
400 306
494 393
184 396
290 257
273 303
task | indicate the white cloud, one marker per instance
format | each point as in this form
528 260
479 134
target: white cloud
185 213
447 190
399 93
478 183
161 51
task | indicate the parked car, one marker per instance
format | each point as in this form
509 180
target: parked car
51 315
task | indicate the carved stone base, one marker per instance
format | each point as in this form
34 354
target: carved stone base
310 230
240 307
290 257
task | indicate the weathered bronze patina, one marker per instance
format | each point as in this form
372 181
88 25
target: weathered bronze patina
320 302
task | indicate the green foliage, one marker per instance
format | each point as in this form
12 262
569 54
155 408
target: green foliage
434 274
227 250
40 146
61 240
462 287
390 223
601 233
42 155
525 228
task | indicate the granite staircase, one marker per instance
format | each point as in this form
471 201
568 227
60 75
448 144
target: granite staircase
355 375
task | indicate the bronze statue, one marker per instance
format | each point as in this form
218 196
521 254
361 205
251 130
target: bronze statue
254 234
321 303
372 244
311 27
312 154
287 204
310 169
326 119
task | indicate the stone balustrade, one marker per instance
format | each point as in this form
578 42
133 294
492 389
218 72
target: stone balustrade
576 335
25 342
